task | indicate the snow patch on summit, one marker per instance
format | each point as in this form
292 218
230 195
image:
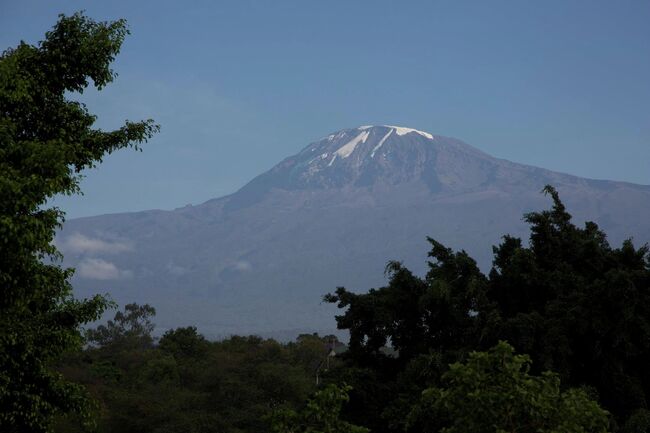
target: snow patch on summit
347 149
372 155
400 130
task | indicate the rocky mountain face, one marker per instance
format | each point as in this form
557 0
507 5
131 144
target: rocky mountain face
259 260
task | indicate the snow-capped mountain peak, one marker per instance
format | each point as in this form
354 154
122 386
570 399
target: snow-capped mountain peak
333 214
372 155
357 147
345 142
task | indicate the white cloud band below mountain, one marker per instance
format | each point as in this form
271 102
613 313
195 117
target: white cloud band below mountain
98 269
79 244
243 266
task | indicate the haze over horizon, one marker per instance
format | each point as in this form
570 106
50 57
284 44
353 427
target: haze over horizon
238 86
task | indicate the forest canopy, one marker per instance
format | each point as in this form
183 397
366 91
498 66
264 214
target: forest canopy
543 343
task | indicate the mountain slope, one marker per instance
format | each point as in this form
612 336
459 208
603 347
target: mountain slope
260 260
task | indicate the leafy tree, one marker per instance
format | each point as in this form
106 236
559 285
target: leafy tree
568 299
494 392
321 415
415 315
46 140
313 352
184 342
427 322
577 306
131 328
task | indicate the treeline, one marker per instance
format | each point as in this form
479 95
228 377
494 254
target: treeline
556 338
184 383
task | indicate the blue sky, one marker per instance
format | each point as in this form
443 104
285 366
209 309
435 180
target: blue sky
239 85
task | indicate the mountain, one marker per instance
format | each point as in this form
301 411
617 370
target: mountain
259 260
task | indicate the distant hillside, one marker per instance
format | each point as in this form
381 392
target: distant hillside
259 260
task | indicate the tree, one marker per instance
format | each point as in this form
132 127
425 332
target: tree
494 392
184 342
577 306
128 330
46 140
320 415
573 303
416 315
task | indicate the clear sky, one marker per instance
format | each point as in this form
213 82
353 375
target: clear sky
239 85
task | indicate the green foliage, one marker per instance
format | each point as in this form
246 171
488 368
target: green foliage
494 392
130 328
46 140
412 314
321 415
186 383
428 323
577 306
639 422
412 362
573 303
183 342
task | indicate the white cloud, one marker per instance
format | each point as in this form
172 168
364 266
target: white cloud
98 269
176 270
78 243
243 266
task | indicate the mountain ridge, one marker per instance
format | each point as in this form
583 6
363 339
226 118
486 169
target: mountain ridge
260 259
